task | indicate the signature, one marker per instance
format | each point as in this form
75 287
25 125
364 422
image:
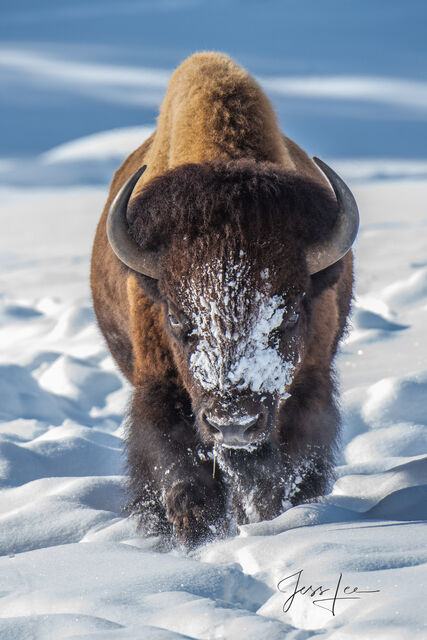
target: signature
336 593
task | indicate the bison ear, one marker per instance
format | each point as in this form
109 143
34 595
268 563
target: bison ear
119 237
345 230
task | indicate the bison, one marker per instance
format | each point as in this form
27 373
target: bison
222 279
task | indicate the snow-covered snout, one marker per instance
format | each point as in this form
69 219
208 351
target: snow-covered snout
238 345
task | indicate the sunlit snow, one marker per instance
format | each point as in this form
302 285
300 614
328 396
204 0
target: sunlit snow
81 87
73 564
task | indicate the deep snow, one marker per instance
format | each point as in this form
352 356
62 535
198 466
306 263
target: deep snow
77 80
73 567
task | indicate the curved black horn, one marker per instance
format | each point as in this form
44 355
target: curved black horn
122 243
321 256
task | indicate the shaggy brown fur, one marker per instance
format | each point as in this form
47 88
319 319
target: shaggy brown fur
222 182
251 198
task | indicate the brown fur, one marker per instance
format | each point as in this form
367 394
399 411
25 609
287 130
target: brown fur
249 198
220 177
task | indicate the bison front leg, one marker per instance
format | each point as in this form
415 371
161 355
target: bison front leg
309 425
170 471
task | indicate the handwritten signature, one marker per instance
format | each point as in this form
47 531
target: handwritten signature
328 603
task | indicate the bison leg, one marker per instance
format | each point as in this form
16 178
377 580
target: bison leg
170 472
296 466
309 429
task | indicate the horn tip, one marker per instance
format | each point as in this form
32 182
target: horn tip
319 162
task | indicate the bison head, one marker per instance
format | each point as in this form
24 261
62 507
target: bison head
232 247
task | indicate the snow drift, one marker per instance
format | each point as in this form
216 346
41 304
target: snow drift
72 566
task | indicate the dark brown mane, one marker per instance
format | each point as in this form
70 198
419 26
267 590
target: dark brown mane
248 199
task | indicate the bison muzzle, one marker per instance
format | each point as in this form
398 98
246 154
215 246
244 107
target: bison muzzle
222 279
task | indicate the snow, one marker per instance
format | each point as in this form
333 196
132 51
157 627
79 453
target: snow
116 144
411 95
81 87
234 347
119 83
113 82
74 566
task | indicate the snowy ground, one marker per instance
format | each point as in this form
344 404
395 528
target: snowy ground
348 83
73 567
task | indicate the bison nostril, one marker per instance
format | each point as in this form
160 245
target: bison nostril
232 431
241 424
210 424
212 427
249 431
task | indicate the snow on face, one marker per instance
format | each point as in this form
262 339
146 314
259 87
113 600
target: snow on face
234 323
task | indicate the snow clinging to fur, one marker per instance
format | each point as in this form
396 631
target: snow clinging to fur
237 346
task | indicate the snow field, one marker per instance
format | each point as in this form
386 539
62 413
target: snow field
73 566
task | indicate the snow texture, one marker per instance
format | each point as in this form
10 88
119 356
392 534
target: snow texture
234 324
348 83
73 566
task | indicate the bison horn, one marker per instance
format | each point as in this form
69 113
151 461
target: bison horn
122 243
323 255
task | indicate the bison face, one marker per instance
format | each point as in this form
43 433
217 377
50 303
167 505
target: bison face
232 246
238 338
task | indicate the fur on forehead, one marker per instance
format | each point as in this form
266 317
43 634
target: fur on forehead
252 202
224 269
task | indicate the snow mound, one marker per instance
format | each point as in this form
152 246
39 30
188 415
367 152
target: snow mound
79 380
408 291
396 400
115 143
88 160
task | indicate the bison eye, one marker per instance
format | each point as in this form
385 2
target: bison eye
180 327
293 319
289 322
174 322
